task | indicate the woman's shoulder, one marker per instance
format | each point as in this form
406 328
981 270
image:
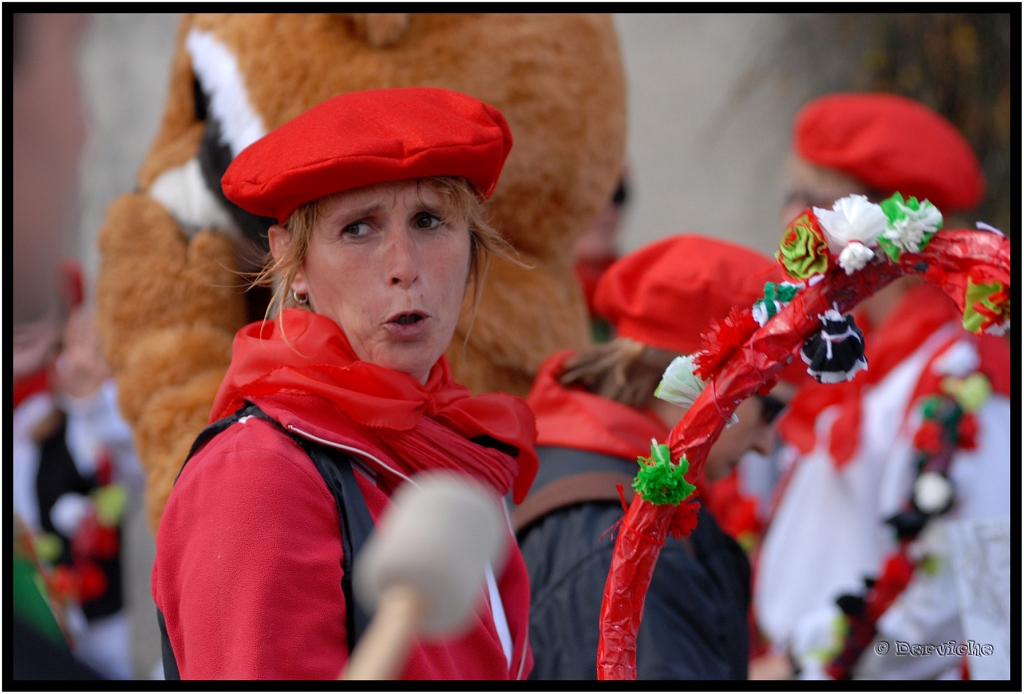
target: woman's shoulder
254 459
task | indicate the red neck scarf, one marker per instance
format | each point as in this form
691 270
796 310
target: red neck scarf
425 427
574 418
922 310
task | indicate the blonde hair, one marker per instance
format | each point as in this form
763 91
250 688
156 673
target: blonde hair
459 202
622 370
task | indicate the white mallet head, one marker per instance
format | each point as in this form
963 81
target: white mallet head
437 538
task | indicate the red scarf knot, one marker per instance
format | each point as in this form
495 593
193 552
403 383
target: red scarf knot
424 426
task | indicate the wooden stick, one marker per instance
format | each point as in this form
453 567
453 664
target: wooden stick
382 651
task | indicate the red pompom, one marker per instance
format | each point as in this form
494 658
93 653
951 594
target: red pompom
92 582
895 576
62 583
898 571
684 519
723 339
929 437
94 540
966 432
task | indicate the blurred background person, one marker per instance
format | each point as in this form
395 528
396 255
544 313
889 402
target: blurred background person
69 445
48 134
596 414
597 249
850 462
73 469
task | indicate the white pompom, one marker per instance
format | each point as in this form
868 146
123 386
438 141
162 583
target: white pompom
959 361
932 492
855 256
69 512
853 218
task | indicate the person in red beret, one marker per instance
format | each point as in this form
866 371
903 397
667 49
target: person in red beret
852 461
596 414
337 399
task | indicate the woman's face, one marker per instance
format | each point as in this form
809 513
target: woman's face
384 267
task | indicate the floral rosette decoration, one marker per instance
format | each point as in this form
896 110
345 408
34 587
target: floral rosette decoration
804 251
834 259
987 304
911 225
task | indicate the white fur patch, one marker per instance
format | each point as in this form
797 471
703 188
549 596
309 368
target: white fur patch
218 72
183 192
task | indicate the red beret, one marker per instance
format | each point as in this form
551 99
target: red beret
667 293
361 138
891 143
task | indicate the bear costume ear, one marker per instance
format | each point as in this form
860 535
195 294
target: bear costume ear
380 30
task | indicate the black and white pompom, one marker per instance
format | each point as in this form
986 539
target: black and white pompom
836 353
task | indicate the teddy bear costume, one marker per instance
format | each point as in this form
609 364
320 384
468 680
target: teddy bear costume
169 295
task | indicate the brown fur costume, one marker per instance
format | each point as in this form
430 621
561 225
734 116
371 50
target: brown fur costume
169 293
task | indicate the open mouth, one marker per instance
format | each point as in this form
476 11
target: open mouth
408 318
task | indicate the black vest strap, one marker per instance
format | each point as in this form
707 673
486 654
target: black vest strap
166 652
568 476
356 523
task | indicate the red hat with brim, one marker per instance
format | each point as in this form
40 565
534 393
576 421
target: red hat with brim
891 143
362 138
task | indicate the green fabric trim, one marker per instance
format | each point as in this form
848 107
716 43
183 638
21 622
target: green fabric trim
892 207
29 603
890 248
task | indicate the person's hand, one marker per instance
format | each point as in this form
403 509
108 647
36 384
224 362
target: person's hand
80 369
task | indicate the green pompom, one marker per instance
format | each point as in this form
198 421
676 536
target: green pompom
659 481
933 406
48 547
111 501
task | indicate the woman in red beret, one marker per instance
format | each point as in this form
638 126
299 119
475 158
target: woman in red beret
596 414
331 405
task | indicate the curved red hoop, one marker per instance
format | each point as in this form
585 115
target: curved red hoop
946 261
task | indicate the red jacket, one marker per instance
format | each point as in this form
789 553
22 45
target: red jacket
248 566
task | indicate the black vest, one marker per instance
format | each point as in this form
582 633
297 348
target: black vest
335 467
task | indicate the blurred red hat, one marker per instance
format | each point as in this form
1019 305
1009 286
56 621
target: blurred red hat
891 143
667 293
361 138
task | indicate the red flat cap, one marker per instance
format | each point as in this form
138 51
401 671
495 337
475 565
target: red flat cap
668 292
361 138
891 143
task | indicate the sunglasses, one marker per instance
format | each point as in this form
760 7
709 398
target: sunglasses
771 408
